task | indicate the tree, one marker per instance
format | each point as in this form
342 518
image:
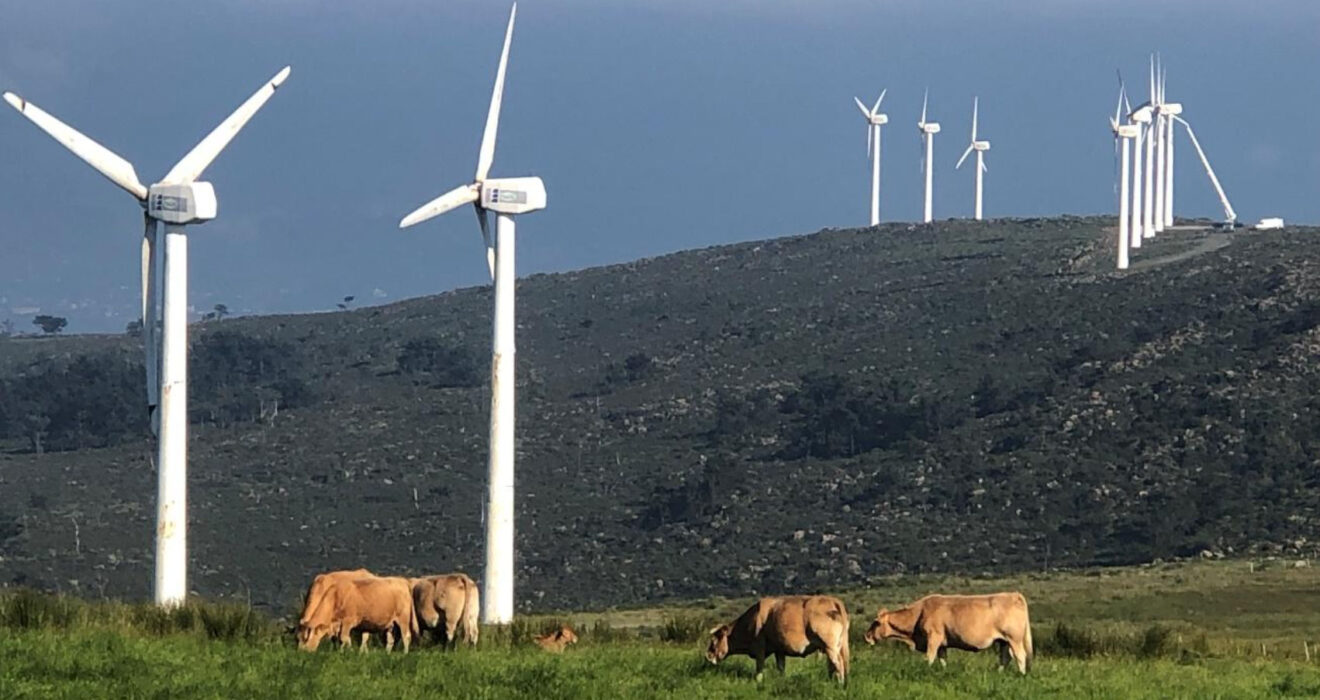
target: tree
50 324
221 311
6 328
346 302
134 328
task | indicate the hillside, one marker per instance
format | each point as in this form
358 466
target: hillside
807 412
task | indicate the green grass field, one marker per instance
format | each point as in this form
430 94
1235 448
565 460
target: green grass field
1206 630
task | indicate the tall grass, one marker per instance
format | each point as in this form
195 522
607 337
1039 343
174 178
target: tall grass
27 609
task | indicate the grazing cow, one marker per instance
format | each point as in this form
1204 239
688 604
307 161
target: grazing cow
787 626
443 602
363 604
969 622
557 640
316 597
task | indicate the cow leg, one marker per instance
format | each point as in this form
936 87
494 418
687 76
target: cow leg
1020 655
759 655
838 665
934 645
779 662
1005 656
366 637
941 655
389 638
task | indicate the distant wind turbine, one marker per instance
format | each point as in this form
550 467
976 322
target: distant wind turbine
874 120
928 131
1124 133
980 147
506 197
176 201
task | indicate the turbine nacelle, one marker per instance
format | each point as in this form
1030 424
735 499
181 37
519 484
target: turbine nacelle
1128 131
188 203
1171 108
513 195
929 127
878 119
980 145
1142 115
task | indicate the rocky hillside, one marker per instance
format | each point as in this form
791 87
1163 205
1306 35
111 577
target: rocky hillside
794 414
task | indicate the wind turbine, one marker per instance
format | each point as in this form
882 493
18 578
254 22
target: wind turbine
1148 203
506 197
1125 133
1171 110
1161 123
874 120
928 131
177 200
980 147
1142 118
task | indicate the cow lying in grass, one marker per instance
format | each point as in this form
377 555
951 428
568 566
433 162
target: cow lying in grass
937 623
786 626
557 640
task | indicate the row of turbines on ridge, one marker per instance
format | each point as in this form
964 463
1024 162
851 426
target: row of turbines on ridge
927 129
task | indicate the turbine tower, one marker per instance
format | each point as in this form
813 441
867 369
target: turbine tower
1124 133
506 197
874 120
1141 118
980 147
928 131
1171 110
178 200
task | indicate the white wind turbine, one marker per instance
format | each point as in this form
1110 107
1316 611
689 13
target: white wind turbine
1148 184
1141 117
177 200
506 197
1171 110
980 147
928 131
1161 151
874 120
1125 133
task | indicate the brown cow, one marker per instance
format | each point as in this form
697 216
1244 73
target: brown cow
363 604
316 596
443 602
786 626
970 622
557 640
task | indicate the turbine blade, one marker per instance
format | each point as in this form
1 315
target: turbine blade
190 167
487 155
976 103
106 162
869 136
924 98
149 314
452 199
485 237
865 113
1152 79
984 168
966 153
876 108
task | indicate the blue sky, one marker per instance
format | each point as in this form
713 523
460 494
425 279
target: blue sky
657 125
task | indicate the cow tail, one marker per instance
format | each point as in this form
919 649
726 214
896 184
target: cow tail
471 610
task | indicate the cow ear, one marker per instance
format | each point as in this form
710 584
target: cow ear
882 612
716 630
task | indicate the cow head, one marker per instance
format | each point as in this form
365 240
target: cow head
719 644
310 634
566 635
880 628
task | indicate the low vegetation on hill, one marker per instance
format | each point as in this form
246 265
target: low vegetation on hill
803 413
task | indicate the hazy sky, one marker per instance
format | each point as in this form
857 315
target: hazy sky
657 125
